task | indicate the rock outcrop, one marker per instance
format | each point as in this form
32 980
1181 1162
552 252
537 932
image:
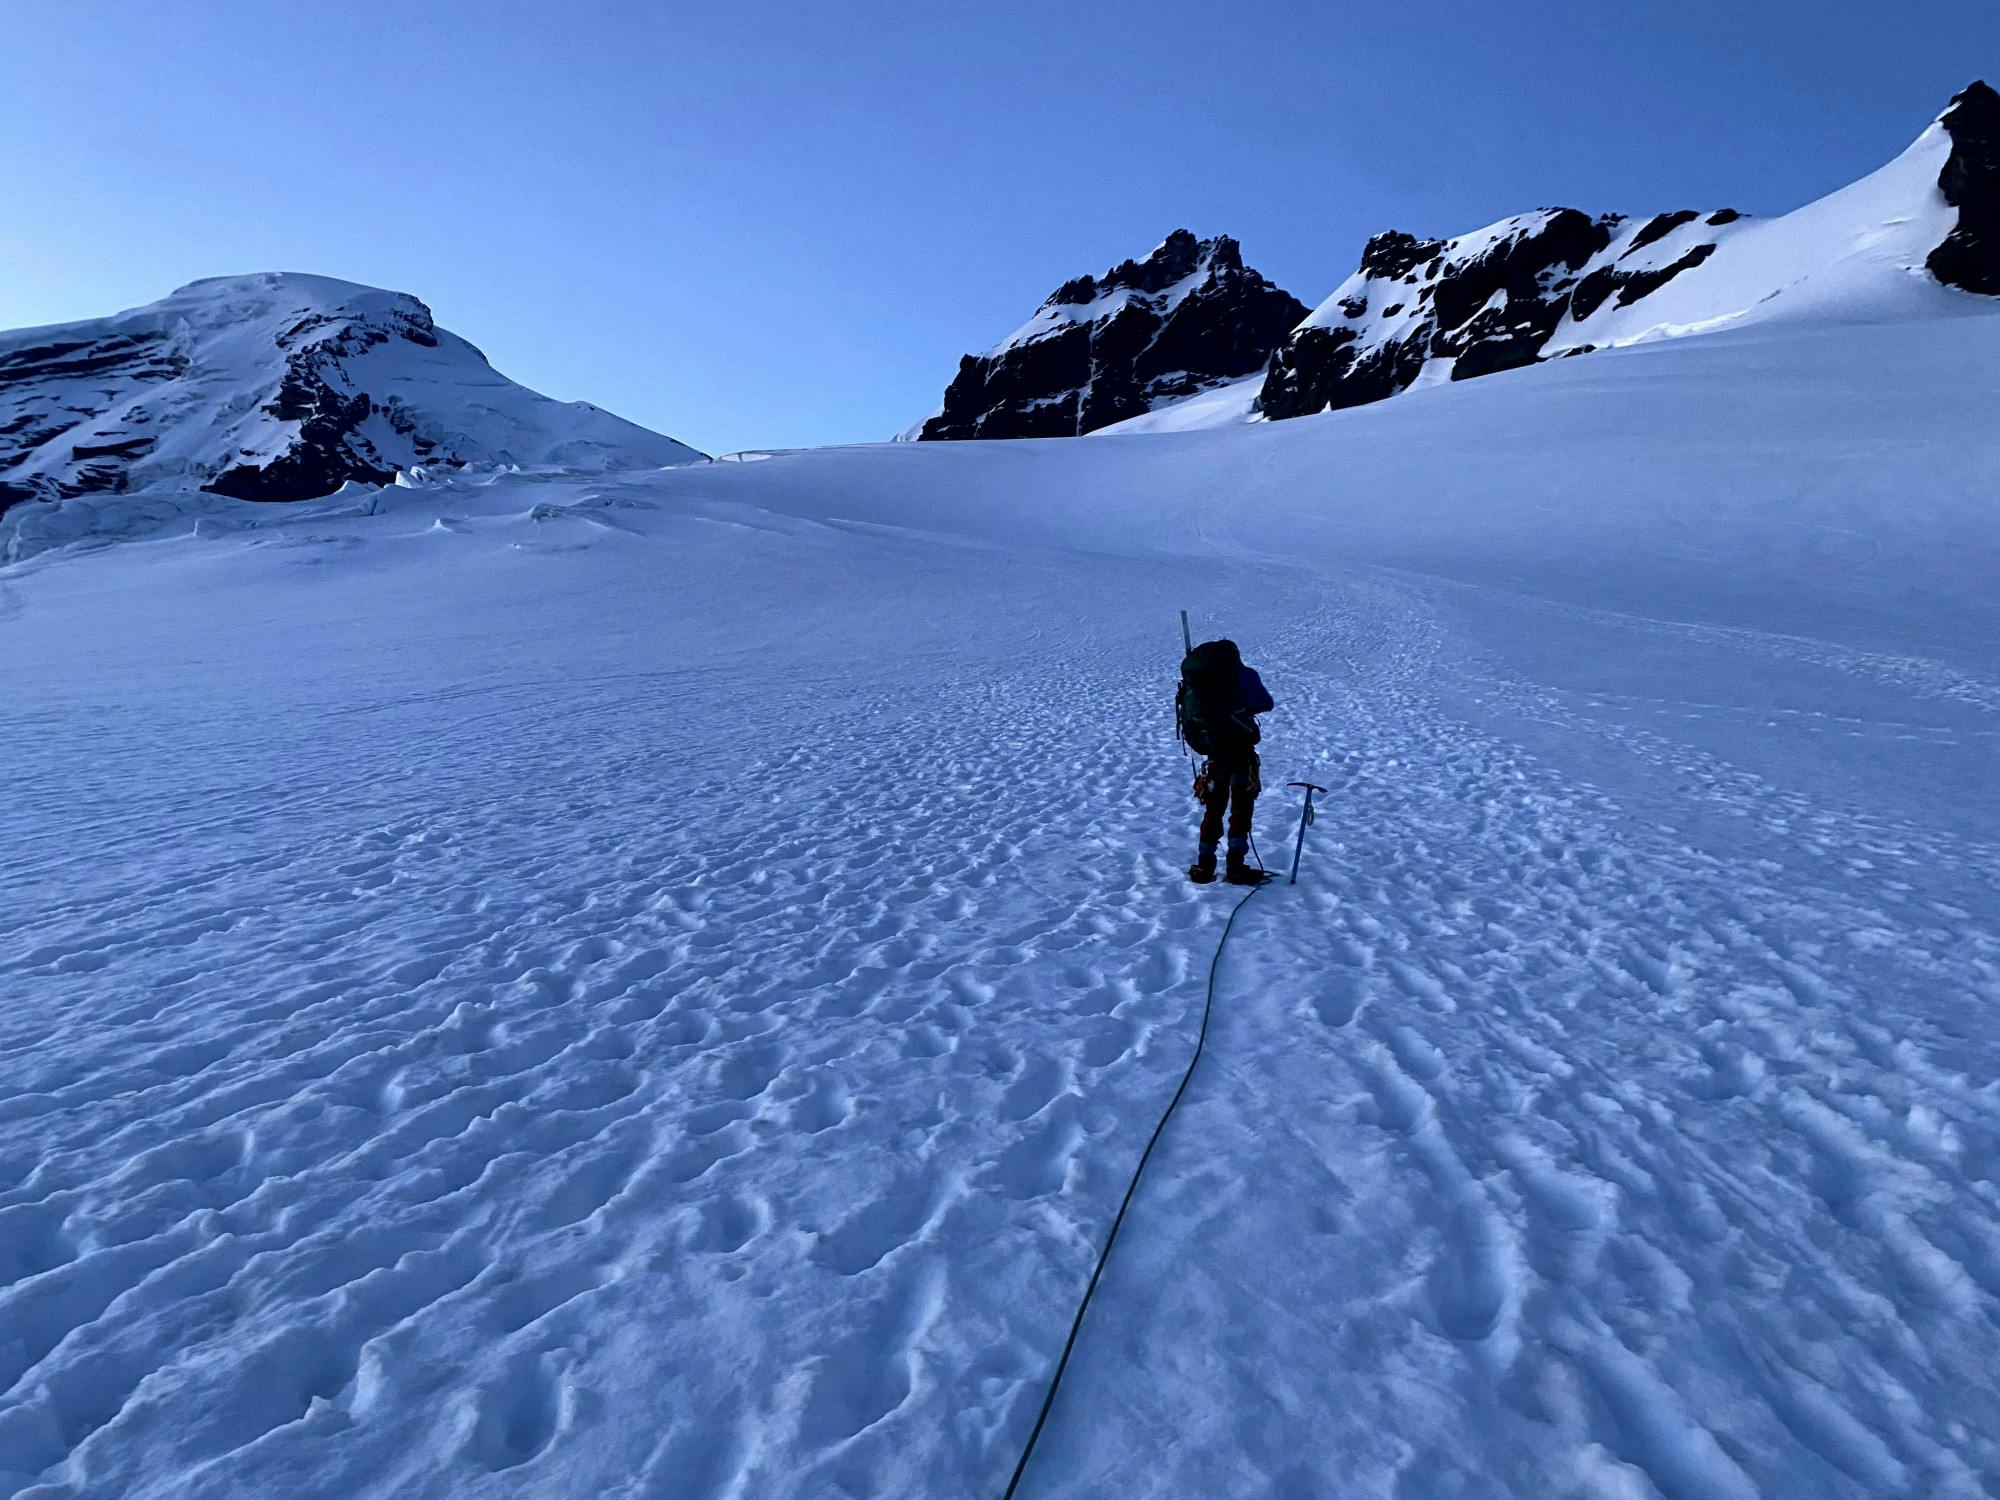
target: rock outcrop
1559 282
1188 317
1483 302
1970 255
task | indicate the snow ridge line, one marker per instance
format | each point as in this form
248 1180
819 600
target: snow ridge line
1131 1191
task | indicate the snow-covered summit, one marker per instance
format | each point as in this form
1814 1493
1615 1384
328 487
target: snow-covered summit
1187 317
279 386
1560 282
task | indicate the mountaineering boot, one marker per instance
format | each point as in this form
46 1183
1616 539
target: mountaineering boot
1202 871
1240 872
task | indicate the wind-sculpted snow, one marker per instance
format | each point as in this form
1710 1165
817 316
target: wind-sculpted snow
546 985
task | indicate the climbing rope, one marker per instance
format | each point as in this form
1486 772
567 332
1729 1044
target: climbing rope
1103 1255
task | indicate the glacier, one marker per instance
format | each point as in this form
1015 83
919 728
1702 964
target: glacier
652 982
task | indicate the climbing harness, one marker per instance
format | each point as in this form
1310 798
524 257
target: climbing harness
1132 1189
1205 774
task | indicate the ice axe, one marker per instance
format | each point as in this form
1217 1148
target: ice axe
1306 817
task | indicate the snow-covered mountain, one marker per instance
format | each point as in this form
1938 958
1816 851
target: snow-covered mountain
655 984
1188 317
469 957
1560 282
277 387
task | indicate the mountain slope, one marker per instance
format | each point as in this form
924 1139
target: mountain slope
276 387
465 1049
1559 282
1188 317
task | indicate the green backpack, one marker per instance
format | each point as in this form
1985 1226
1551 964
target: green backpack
1209 712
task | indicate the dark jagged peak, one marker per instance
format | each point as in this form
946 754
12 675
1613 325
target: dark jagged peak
1186 317
1177 257
1969 257
1074 292
1395 256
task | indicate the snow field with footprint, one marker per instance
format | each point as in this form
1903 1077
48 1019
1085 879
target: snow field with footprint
653 985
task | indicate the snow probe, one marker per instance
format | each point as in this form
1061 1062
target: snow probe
1306 817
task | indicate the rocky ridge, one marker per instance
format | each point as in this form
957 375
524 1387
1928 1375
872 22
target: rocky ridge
1100 349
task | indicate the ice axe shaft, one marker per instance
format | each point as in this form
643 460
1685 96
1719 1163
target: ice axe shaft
1187 641
1306 816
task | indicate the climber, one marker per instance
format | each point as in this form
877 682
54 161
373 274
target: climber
1216 710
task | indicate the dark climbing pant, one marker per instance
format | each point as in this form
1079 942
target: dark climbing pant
1232 787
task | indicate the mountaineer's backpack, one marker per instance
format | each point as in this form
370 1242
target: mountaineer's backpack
1209 709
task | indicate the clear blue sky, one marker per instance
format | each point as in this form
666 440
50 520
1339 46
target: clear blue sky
762 222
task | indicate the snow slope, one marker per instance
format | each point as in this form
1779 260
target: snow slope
652 984
276 387
1916 238
1220 406
1855 254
